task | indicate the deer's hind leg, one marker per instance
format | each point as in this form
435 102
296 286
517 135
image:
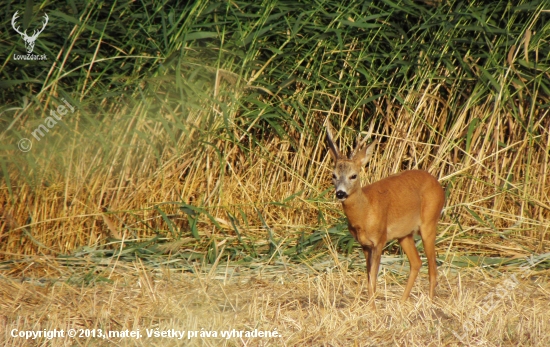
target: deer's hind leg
428 232
407 243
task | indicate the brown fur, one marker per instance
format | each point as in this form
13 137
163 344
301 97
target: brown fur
393 208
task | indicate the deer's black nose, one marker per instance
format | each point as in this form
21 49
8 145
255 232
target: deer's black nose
341 194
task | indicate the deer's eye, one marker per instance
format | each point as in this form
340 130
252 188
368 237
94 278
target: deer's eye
333 176
353 177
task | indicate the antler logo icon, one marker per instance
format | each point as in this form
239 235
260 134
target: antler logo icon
29 40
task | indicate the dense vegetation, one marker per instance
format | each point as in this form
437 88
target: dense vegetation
199 129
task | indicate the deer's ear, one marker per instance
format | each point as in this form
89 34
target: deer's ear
365 154
333 150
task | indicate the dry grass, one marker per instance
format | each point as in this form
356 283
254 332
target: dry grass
306 305
490 191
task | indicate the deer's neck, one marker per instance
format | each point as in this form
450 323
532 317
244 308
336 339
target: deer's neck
355 206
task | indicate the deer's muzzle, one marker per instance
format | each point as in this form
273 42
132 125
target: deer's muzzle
341 195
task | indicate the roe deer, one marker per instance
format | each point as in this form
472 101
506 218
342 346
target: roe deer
393 208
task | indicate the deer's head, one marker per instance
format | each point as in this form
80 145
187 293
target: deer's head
345 175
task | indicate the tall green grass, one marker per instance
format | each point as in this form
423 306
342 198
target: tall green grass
203 123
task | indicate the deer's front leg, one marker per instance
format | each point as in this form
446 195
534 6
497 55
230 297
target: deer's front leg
367 251
375 254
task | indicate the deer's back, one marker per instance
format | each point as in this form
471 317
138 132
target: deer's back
401 201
